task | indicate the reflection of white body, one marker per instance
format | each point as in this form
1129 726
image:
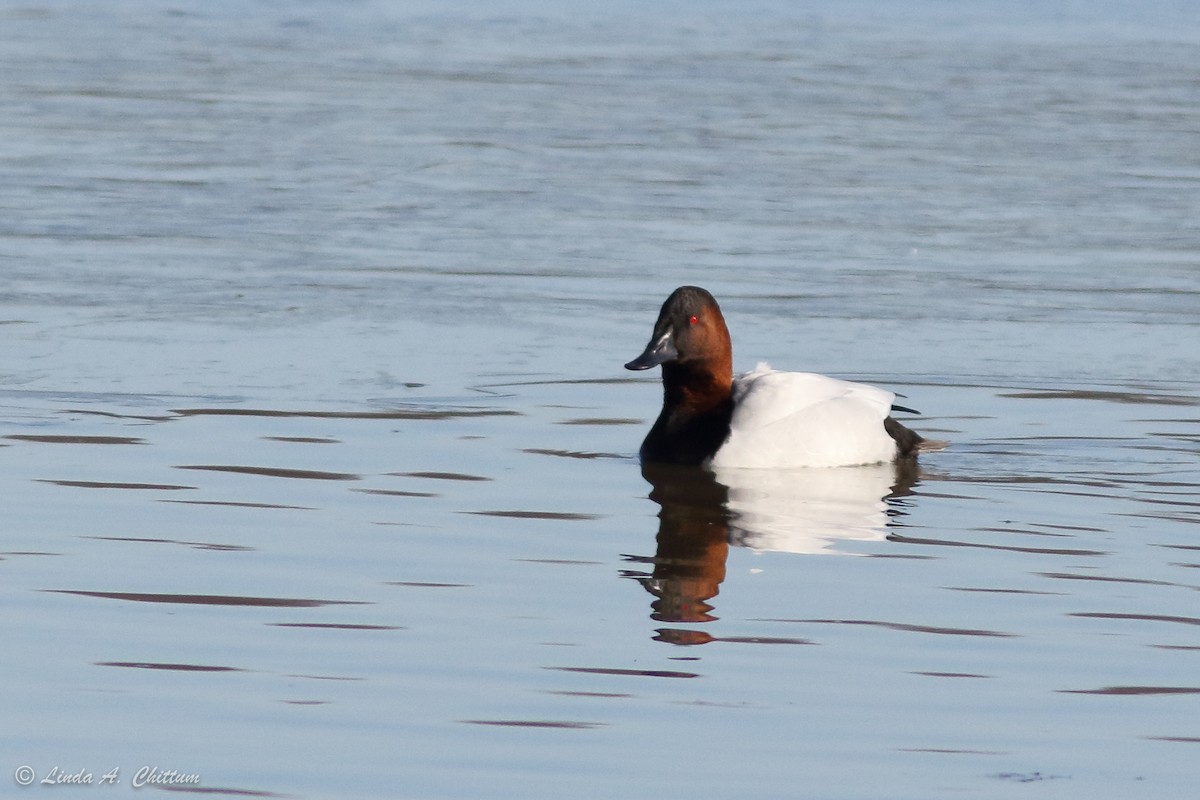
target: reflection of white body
799 419
807 510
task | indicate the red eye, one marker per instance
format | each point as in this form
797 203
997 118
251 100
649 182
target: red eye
693 319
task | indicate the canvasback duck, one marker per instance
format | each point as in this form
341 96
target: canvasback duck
764 418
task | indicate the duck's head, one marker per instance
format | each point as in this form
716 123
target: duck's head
690 328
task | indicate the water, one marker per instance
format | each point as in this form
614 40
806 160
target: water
319 458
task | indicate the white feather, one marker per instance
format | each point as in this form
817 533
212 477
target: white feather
800 419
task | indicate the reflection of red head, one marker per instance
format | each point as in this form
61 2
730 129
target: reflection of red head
688 571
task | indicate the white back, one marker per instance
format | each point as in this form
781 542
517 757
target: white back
800 419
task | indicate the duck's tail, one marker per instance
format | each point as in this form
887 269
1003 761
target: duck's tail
908 442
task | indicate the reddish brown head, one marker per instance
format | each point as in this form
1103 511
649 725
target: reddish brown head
690 331
691 343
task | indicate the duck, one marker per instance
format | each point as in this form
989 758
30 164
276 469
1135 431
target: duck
764 418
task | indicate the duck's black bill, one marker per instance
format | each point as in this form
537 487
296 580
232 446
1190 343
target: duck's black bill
659 351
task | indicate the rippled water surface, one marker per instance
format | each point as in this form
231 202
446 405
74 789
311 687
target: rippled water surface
318 459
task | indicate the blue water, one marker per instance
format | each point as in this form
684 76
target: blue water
319 460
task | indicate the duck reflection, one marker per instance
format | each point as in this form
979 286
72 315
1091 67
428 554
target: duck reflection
693 540
814 511
795 511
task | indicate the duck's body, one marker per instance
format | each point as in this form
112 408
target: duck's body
783 419
764 418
